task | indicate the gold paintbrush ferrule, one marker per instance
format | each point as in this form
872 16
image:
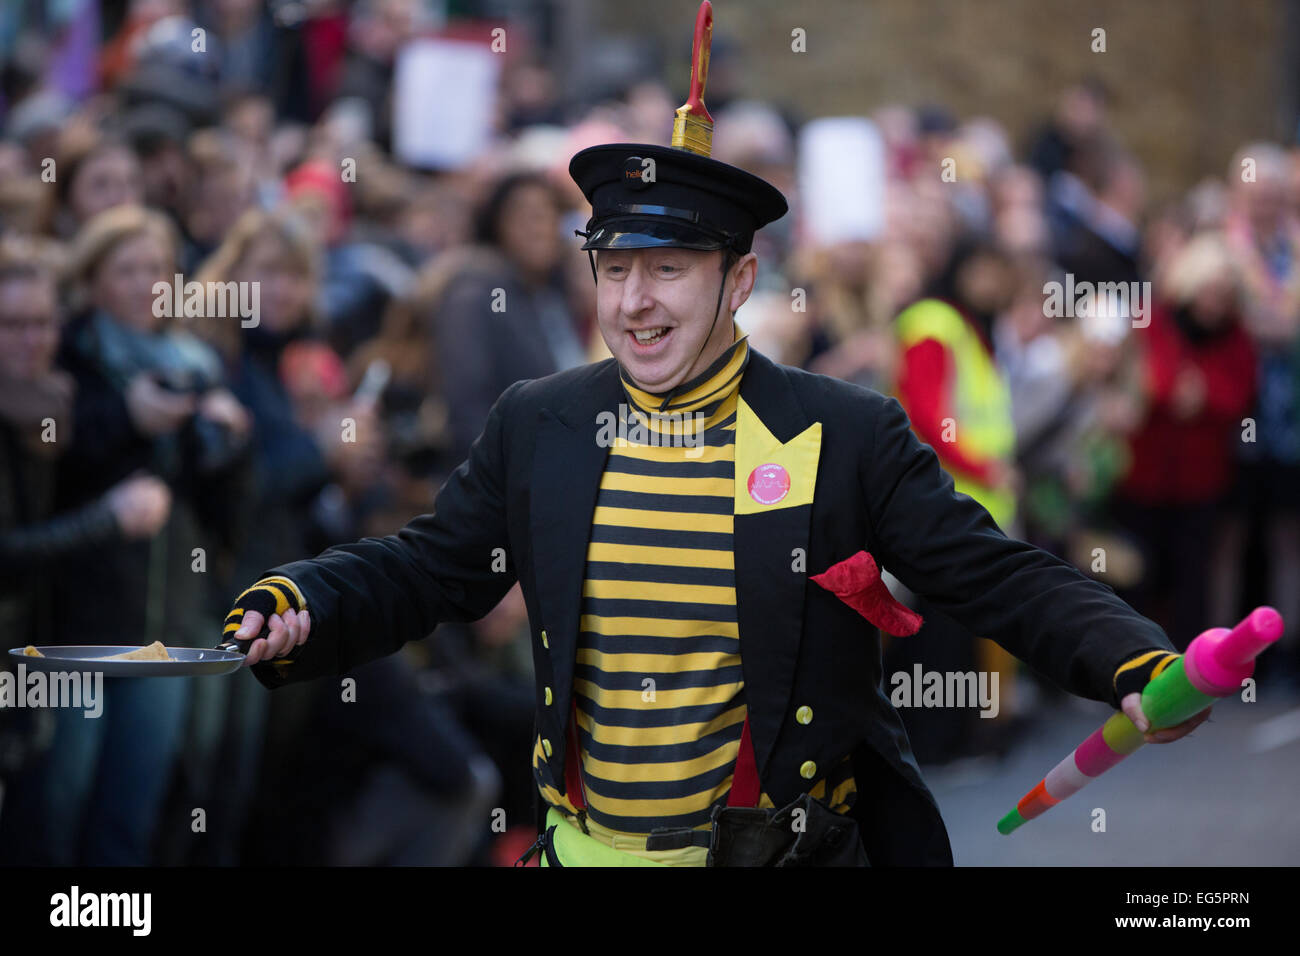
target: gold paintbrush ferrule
691 132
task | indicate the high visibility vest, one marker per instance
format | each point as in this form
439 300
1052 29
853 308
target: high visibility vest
980 399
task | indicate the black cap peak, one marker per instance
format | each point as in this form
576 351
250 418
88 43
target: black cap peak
645 196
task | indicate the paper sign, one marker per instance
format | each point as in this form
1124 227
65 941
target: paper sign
444 102
841 180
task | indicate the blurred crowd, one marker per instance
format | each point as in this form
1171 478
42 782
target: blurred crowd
153 465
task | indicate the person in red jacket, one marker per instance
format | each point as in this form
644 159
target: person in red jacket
1199 380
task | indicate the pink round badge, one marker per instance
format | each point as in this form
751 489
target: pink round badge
768 484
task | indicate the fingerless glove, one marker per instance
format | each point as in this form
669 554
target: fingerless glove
1138 671
273 595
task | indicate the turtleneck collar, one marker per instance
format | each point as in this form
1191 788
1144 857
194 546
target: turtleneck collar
705 392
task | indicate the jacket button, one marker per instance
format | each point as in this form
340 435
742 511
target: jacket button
546 746
545 643
548 697
803 714
807 771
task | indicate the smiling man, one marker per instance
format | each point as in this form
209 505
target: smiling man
705 619
674 231
649 304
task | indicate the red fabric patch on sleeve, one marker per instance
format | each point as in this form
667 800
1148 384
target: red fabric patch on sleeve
856 581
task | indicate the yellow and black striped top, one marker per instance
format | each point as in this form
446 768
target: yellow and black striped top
657 683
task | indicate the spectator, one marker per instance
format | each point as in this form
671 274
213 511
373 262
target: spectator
1264 234
505 314
24 204
379 29
1080 116
93 175
157 133
35 426
35 413
149 398
1199 369
1096 214
856 290
221 188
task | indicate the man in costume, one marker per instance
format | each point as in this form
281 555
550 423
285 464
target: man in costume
699 534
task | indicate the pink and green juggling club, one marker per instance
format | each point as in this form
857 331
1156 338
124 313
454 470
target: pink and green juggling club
1214 666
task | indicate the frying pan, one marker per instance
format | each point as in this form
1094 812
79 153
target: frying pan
185 662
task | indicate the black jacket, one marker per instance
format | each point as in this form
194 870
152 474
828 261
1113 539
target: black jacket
520 507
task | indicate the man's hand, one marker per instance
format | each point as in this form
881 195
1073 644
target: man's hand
276 602
1132 676
286 632
1132 707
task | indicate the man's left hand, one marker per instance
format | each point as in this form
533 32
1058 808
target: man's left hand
1132 677
1132 707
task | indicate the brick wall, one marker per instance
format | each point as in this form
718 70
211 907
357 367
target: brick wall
1194 79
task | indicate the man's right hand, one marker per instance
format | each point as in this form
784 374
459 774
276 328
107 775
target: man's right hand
285 633
277 603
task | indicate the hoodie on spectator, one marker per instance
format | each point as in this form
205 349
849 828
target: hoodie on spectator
1182 461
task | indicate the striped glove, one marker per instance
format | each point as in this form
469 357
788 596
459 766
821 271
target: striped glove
273 595
1138 671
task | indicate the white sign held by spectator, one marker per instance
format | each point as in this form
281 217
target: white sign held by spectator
444 100
841 180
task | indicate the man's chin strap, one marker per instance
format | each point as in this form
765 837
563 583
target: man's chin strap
717 307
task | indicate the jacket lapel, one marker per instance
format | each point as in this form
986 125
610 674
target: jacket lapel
771 542
566 469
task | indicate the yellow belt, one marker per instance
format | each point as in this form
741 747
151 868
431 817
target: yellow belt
604 847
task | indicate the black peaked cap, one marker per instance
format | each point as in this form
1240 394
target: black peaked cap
645 196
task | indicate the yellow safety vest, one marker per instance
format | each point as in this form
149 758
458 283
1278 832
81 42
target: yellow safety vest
981 401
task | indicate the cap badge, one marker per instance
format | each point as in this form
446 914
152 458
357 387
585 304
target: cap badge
635 173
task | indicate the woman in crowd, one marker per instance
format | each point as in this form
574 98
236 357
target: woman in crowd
35 426
506 313
149 399
856 290
93 172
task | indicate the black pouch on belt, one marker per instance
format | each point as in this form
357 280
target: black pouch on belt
805 833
